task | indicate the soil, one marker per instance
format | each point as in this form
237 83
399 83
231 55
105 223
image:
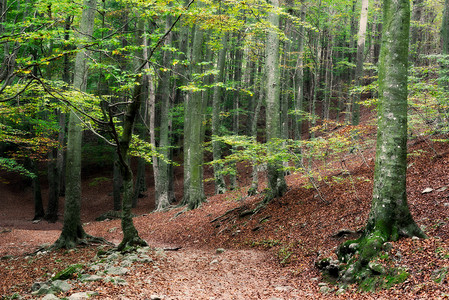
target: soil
269 255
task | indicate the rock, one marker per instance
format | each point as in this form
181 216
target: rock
442 189
155 297
116 271
146 259
91 278
427 190
387 246
340 291
220 250
50 297
215 261
132 258
376 268
40 288
322 284
325 290
82 295
37 285
415 238
68 272
61 285
283 288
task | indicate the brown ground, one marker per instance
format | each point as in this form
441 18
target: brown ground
268 256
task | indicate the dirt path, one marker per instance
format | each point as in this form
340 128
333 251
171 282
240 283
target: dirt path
234 274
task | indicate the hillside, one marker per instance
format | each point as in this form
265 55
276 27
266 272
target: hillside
270 254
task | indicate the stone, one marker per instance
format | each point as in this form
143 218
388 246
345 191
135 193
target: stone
61 285
91 278
376 268
427 190
116 271
325 290
215 261
50 297
82 295
155 297
220 250
283 288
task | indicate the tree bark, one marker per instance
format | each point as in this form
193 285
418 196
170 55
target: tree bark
217 105
389 217
72 231
193 151
276 180
163 97
359 62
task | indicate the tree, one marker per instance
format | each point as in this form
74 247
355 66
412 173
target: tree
72 231
444 77
389 218
276 180
359 62
220 184
193 151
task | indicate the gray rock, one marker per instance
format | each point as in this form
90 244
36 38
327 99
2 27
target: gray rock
91 278
284 288
61 285
155 297
145 259
50 297
376 268
220 250
82 295
116 271
38 285
215 261
325 290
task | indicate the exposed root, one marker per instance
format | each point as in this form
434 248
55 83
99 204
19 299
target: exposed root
131 245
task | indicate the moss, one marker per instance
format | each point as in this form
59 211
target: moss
392 277
68 272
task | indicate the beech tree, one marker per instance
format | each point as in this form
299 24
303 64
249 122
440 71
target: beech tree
389 218
276 180
72 231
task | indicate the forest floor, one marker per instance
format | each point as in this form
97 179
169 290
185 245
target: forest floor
269 255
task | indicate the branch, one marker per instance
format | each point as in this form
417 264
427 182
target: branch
147 60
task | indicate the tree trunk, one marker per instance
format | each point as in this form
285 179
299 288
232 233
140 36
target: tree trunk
359 62
193 150
130 235
389 217
72 231
163 97
220 184
444 72
53 187
276 180
37 194
117 184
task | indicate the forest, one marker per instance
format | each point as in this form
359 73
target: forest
303 140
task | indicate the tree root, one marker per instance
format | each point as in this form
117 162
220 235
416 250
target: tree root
131 245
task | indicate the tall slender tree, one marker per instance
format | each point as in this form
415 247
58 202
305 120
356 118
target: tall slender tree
389 217
193 120
276 181
72 231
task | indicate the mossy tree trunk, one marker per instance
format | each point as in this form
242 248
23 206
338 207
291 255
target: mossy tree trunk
193 150
72 231
163 97
358 75
389 217
276 180
130 235
217 105
444 72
